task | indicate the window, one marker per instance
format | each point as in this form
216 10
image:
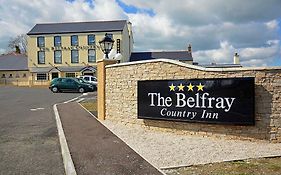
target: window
91 39
57 57
41 41
17 75
91 55
57 41
11 76
69 74
74 56
41 57
74 40
3 76
87 78
24 75
41 76
93 79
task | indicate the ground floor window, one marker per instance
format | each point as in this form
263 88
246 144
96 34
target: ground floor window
70 74
41 76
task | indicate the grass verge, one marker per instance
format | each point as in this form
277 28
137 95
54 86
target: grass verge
261 166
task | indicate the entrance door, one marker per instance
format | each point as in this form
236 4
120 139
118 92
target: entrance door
55 75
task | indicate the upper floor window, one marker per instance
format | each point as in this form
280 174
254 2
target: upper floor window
74 40
57 40
41 57
57 57
91 55
91 39
3 76
74 56
41 41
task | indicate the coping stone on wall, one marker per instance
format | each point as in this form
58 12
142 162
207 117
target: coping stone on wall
194 66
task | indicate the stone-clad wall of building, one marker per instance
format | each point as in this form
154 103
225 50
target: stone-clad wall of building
121 97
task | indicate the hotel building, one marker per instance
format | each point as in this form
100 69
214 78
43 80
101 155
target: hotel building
72 49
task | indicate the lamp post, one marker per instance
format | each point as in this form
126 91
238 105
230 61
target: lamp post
106 45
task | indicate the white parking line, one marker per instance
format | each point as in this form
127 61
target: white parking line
36 109
81 99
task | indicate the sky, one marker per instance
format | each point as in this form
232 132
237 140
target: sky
216 29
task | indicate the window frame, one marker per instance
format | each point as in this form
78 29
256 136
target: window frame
55 61
38 57
70 73
95 59
38 43
72 56
55 43
72 42
45 74
94 38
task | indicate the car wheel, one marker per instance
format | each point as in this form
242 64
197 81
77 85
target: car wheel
81 90
55 89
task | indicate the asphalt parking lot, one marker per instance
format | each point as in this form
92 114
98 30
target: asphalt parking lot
28 133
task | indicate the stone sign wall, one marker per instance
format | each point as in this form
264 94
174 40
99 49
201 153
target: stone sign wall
121 97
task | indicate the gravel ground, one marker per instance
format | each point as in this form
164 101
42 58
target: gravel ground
167 150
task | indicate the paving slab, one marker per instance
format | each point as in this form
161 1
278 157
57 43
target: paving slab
96 150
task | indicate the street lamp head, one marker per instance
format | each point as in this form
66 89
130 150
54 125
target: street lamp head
106 44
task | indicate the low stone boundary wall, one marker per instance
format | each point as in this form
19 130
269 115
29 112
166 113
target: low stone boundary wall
121 97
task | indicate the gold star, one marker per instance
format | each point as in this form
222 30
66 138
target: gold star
190 87
200 87
172 87
181 87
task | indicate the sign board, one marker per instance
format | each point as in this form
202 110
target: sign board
222 101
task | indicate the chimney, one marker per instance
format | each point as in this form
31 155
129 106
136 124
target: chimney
189 49
236 59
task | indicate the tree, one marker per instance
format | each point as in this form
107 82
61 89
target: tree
19 43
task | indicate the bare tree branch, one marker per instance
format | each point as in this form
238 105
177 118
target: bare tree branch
19 41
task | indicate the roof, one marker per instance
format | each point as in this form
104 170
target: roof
61 69
78 27
71 68
13 62
40 69
174 55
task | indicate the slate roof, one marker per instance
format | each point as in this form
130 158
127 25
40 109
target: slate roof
13 62
174 55
40 69
77 27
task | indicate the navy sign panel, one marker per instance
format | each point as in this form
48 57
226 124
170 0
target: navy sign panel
222 101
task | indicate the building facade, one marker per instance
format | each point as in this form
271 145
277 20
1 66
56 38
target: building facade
14 70
72 49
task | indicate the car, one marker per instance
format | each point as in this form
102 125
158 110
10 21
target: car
69 84
84 81
90 79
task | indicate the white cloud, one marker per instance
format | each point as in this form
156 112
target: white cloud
215 28
252 56
272 25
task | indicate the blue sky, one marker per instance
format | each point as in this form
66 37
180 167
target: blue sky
216 29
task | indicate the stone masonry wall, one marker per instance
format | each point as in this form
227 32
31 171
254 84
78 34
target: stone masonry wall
121 98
